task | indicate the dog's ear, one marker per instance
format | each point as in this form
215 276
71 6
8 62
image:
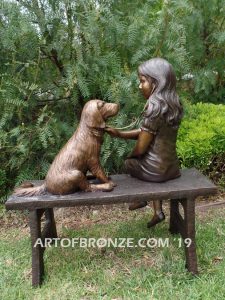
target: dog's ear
100 122
100 104
94 118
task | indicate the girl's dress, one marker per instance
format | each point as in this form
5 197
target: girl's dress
160 162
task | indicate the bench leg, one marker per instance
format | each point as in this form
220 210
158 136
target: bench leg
174 210
37 250
186 227
49 230
37 241
189 222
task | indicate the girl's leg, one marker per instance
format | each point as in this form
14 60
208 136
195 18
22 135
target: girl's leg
132 167
136 205
158 214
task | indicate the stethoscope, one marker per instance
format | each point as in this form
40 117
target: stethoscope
139 118
135 122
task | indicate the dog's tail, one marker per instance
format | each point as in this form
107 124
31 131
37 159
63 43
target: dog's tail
28 189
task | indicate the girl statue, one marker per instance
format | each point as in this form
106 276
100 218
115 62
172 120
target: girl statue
154 156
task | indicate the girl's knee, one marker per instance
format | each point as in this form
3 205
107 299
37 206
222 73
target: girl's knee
131 166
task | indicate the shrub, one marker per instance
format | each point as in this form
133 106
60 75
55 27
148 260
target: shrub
201 139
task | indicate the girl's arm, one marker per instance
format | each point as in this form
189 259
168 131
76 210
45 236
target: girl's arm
144 140
130 134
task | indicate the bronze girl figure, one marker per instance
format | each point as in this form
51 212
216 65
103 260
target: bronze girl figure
154 156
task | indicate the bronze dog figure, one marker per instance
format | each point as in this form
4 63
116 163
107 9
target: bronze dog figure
67 173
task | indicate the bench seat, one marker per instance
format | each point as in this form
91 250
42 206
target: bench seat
191 184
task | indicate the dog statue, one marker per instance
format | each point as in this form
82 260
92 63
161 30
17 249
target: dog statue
67 173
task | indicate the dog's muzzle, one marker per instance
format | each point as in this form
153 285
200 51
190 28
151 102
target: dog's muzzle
112 109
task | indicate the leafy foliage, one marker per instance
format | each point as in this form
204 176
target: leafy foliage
206 45
56 55
201 139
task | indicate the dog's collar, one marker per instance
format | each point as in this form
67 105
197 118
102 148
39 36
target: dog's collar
96 131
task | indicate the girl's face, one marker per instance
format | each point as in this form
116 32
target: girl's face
146 86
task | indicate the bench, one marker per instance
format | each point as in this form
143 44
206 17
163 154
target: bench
183 190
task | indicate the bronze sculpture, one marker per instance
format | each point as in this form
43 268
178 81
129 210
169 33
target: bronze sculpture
154 156
80 154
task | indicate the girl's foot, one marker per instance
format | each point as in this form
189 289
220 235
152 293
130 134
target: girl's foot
137 205
156 219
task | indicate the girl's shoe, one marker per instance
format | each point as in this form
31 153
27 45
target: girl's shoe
156 219
137 205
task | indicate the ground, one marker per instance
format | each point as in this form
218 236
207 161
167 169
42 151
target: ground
115 273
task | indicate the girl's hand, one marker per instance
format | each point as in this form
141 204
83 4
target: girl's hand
130 156
112 131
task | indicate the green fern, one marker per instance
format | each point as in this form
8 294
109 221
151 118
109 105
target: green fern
55 58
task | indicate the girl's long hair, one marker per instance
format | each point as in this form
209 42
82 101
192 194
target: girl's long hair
164 100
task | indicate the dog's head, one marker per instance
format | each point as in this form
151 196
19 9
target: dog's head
96 112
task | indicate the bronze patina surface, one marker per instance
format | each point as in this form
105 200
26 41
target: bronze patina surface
80 154
154 156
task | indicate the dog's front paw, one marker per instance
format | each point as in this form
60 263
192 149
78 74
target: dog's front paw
112 183
104 187
107 187
93 188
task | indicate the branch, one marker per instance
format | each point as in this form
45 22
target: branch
51 101
166 21
221 25
55 60
55 99
40 14
70 27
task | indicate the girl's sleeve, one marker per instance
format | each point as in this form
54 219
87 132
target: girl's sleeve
150 125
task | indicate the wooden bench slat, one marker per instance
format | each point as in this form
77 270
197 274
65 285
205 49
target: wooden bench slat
191 184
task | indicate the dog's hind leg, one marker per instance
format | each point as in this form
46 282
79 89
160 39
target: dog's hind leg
67 182
104 187
73 180
97 170
84 185
78 180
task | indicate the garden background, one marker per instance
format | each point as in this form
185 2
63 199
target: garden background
56 55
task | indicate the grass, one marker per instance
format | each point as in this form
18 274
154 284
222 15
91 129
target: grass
116 273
